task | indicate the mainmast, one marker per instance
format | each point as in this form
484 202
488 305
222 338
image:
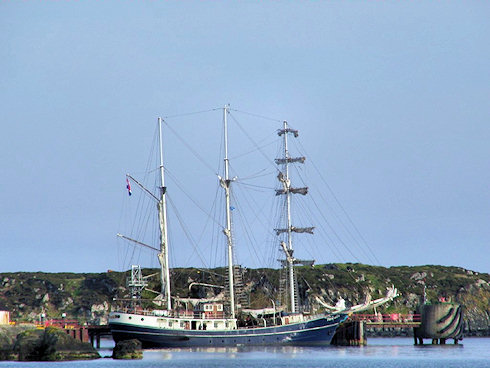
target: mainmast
162 216
226 183
287 190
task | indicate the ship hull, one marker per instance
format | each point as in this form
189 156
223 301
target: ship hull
317 331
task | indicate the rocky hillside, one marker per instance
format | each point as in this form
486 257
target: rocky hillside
88 296
84 296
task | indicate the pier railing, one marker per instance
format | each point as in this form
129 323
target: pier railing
61 323
388 320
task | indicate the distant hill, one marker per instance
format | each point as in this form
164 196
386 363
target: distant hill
87 296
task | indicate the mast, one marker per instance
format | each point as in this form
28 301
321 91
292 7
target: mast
226 183
162 216
292 282
287 190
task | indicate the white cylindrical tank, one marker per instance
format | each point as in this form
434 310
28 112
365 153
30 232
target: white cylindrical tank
4 317
440 321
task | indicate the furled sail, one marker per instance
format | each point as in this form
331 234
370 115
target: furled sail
295 229
288 130
302 191
281 161
303 262
287 188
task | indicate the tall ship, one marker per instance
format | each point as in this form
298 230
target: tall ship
224 320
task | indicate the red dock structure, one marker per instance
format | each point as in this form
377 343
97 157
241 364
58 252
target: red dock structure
84 333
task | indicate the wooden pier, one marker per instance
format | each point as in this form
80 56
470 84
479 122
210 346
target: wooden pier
353 331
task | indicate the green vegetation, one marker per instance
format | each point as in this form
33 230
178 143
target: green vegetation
87 297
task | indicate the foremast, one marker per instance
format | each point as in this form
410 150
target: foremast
226 184
136 282
287 190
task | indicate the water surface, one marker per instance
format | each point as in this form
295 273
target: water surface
380 352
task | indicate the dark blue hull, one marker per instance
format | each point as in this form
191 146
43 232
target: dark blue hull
314 332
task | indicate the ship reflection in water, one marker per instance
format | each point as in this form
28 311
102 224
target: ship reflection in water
380 352
228 352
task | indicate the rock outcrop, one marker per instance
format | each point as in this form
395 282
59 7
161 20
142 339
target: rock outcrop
50 344
128 349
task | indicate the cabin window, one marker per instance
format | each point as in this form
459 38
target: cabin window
219 307
170 323
226 324
182 324
215 324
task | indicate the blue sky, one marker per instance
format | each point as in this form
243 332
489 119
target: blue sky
391 99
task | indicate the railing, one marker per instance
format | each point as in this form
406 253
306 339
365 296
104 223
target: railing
388 320
61 323
174 313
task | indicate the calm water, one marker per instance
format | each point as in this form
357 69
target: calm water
380 352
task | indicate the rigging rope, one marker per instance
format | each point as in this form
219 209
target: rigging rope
191 113
179 185
193 151
259 149
343 209
186 233
257 116
247 226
